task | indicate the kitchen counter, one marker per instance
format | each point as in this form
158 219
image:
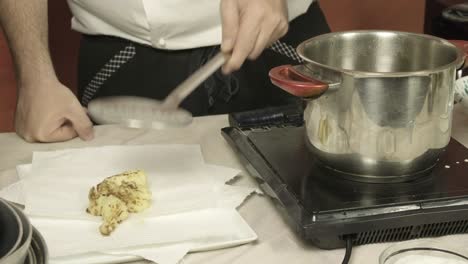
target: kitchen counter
276 241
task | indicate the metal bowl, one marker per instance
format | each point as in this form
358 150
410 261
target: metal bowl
39 248
11 229
31 258
20 254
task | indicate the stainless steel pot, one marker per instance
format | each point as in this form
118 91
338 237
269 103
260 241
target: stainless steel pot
379 102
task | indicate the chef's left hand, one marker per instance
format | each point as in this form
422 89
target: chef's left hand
249 26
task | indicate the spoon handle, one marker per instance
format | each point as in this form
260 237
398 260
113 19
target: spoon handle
184 89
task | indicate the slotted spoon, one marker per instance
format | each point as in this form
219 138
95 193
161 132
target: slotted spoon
139 112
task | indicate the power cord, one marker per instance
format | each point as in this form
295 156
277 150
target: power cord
349 248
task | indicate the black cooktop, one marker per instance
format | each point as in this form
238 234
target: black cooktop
323 206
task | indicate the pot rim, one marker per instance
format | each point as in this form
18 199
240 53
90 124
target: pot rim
457 63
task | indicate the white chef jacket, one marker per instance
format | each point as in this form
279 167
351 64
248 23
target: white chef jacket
163 24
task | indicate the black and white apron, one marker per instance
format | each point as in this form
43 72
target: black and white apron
113 66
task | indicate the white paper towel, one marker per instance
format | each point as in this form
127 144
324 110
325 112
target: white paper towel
193 208
178 179
162 255
56 233
13 193
73 237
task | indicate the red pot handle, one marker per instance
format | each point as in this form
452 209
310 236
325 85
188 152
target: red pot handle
289 79
463 45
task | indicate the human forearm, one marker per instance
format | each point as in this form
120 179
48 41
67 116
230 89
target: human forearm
249 26
46 110
25 25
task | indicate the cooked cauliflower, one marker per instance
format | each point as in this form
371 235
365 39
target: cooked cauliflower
117 196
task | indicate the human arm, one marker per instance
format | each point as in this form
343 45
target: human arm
249 26
47 111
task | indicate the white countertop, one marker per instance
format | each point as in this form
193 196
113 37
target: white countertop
276 241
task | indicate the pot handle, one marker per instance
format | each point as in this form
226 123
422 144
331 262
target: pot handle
292 81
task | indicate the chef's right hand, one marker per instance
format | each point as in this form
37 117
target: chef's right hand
48 111
249 26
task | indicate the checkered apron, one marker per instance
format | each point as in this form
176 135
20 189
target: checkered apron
128 53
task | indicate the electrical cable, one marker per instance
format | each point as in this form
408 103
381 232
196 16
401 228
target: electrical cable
349 249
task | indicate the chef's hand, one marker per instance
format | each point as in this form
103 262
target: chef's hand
49 112
249 26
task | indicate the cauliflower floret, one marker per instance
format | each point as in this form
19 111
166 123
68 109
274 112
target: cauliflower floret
117 196
131 187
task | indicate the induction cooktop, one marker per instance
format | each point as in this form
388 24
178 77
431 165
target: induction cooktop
324 208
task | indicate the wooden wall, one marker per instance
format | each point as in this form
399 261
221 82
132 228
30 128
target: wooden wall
405 15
